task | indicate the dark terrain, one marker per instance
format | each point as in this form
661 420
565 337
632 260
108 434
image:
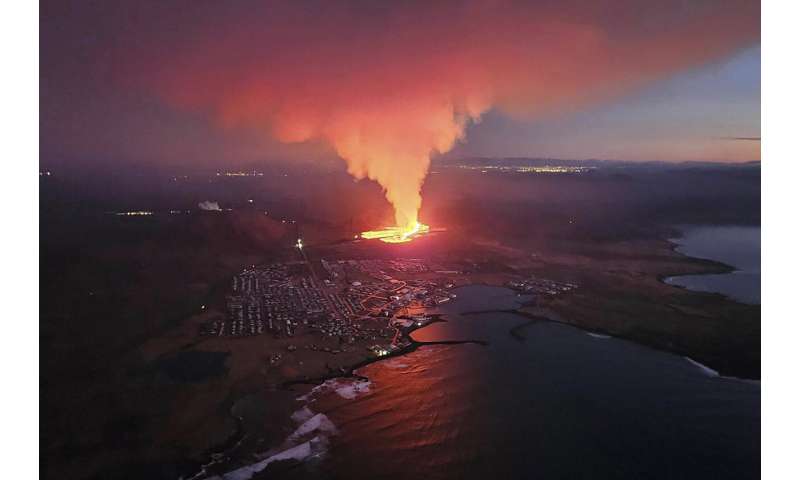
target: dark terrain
112 286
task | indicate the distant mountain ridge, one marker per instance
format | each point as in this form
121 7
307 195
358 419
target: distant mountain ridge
596 163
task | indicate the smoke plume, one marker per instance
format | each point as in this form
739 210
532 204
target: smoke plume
209 206
389 85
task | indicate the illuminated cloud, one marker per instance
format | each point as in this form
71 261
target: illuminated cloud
388 85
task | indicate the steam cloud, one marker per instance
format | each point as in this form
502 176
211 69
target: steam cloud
388 85
208 205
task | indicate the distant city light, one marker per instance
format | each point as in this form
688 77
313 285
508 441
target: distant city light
135 213
528 169
241 174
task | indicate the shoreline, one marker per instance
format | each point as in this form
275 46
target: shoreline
533 319
721 268
716 268
351 371
513 331
715 374
216 455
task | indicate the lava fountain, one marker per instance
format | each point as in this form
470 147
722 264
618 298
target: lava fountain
389 87
397 234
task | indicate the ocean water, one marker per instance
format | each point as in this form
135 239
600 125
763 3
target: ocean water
193 365
558 404
739 247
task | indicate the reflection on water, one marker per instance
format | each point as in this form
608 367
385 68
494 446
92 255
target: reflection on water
561 404
739 247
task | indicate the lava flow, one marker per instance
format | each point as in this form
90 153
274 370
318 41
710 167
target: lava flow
397 234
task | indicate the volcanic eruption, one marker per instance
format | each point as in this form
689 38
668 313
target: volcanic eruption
389 85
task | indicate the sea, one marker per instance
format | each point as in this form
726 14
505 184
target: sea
737 246
552 402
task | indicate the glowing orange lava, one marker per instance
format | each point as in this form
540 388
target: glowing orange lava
397 234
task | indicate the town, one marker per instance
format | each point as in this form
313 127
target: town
353 300
366 301
541 286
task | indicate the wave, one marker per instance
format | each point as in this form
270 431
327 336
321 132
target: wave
313 447
298 446
708 371
345 388
597 335
318 423
310 395
352 389
302 415
396 364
